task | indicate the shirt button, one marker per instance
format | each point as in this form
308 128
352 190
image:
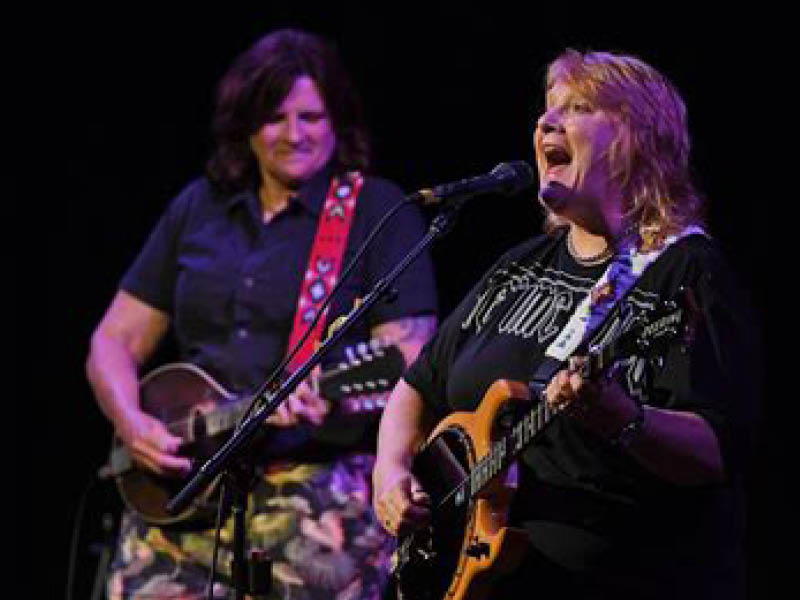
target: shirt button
242 333
248 282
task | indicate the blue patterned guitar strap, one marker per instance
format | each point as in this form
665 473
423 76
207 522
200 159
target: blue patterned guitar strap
622 273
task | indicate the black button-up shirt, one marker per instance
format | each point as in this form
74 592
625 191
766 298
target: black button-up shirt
230 282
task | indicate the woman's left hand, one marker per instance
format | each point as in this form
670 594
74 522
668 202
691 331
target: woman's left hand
304 404
603 405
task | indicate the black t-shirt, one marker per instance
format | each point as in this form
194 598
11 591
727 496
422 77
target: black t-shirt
589 507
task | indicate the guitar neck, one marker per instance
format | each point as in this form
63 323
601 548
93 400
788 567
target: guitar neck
225 417
358 386
364 399
508 448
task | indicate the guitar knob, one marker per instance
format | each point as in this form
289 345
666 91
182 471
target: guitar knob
478 549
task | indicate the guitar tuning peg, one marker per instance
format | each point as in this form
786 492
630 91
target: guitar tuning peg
351 356
380 345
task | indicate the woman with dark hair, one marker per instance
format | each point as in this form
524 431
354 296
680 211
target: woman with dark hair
237 268
259 80
629 486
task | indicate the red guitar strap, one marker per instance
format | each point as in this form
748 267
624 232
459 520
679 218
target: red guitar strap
324 262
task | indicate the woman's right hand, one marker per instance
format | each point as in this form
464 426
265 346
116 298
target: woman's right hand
152 446
126 337
400 503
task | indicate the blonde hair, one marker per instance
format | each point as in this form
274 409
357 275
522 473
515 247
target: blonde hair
650 157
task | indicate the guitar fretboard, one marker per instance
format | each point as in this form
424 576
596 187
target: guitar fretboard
505 450
508 448
225 417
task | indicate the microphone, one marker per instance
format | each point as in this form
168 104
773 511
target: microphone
505 178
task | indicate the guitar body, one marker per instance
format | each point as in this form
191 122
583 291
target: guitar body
466 547
194 407
468 468
178 394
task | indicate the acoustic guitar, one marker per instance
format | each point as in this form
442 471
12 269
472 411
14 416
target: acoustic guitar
200 411
466 466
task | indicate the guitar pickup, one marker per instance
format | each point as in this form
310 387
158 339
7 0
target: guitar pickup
478 549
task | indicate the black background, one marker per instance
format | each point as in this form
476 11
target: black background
122 124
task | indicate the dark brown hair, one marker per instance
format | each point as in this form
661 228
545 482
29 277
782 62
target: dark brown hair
255 85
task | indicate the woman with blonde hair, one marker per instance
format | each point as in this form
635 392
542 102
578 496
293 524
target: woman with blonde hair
633 488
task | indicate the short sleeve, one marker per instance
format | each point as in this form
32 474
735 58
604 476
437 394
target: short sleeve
718 375
152 276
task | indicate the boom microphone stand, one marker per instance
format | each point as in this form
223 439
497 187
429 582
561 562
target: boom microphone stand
235 462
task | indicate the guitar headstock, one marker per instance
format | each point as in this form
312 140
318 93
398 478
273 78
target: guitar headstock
671 322
369 368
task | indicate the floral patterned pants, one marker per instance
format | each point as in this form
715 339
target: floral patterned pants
313 520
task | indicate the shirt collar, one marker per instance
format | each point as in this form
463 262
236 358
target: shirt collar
311 195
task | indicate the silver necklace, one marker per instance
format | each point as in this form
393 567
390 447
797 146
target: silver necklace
588 261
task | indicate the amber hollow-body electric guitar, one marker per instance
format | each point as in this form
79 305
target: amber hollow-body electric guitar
466 468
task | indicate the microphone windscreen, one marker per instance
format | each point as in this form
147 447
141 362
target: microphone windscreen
517 175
